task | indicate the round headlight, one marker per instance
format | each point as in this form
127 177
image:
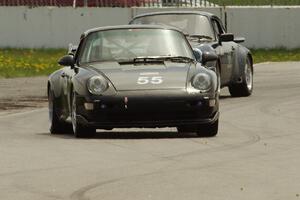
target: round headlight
202 82
97 85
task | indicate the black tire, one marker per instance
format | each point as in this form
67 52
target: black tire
79 130
208 130
57 126
244 88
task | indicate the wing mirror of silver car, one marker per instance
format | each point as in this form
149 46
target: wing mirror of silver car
226 37
67 60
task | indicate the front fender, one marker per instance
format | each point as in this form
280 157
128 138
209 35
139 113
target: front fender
54 81
79 82
242 53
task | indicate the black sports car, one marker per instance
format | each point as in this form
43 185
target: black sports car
133 76
207 33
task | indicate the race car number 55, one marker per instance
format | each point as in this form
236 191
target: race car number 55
142 80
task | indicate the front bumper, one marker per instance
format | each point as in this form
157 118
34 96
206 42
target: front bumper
147 109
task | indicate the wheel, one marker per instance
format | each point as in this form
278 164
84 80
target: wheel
79 130
245 88
208 130
56 125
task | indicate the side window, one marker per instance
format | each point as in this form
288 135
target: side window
217 27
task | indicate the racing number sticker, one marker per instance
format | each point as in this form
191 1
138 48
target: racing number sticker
142 80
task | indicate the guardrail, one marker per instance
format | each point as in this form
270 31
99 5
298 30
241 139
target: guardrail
145 3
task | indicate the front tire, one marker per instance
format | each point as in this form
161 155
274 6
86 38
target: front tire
56 125
245 88
79 130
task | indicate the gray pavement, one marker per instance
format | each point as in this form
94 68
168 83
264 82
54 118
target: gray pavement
22 93
255 156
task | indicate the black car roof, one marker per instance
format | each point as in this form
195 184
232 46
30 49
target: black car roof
105 28
176 12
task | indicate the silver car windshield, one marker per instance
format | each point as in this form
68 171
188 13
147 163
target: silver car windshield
125 44
193 24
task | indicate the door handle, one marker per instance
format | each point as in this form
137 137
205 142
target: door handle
63 74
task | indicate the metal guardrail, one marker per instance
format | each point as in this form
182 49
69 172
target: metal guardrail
145 3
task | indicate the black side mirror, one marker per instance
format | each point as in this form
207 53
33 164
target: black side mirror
67 60
226 37
209 56
239 39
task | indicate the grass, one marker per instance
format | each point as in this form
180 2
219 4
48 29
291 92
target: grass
275 55
29 62
255 2
37 62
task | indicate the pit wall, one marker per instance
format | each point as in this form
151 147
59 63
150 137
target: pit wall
53 27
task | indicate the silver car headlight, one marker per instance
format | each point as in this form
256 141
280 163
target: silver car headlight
97 85
202 82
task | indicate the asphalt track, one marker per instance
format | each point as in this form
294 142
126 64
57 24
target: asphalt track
255 156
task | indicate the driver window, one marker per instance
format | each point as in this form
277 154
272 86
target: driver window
217 28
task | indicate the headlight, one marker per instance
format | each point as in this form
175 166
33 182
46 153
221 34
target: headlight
97 85
202 82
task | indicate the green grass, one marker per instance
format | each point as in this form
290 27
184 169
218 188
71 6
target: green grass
275 55
255 2
29 62
36 62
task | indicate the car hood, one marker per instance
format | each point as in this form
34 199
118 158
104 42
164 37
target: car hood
168 75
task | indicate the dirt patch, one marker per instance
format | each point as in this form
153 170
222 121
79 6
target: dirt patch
23 93
26 102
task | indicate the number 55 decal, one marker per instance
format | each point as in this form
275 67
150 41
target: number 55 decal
142 80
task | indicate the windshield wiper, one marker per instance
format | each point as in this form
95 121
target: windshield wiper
157 59
183 59
142 59
161 58
200 37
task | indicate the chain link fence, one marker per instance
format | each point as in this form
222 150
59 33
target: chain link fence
146 3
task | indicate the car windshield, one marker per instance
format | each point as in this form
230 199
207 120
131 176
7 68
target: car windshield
193 24
133 44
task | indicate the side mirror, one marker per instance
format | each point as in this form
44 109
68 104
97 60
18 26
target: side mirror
209 56
67 60
197 54
226 37
239 39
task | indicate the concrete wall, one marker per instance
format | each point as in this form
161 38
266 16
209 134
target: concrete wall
53 27
266 27
57 27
